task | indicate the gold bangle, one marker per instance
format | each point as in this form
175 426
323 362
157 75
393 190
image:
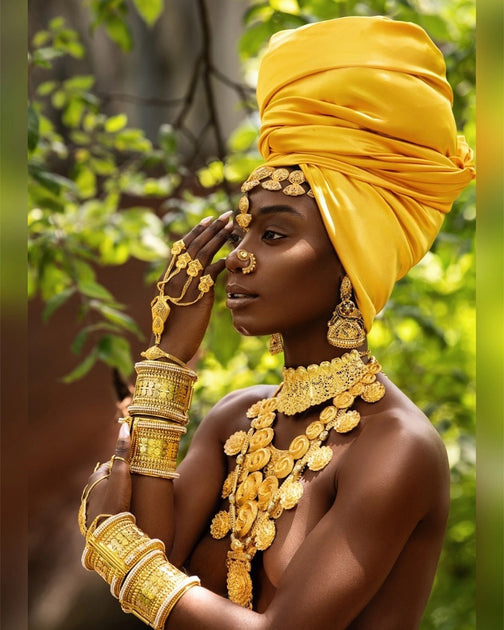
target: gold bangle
162 390
152 588
115 546
154 447
155 352
82 515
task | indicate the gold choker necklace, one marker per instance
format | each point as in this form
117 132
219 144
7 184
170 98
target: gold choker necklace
266 480
303 388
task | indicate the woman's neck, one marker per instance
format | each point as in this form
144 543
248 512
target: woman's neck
312 348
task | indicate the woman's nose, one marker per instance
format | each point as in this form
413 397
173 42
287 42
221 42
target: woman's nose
241 260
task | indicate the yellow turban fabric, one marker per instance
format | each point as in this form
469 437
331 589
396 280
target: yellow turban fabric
363 106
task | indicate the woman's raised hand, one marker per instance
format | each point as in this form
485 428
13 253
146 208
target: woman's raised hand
181 309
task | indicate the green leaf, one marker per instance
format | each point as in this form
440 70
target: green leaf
286 6
116 317
85 180
56 301
79 83
119 32
52 181
82 369
46 87
115 351
167 139
72 113
150 10
116 123
33 128
44 55
95 290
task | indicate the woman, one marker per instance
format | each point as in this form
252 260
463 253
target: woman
321 503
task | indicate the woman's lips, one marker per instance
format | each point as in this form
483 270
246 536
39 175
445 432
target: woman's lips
238 296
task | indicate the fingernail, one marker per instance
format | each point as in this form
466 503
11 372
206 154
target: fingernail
206 221
225 216
124 430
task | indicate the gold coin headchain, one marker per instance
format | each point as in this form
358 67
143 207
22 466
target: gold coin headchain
266 480
270 178
180 260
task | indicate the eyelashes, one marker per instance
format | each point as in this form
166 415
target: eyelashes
269 235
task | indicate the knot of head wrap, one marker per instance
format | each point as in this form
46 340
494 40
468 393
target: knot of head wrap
363 106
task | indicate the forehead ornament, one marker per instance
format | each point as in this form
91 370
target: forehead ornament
270 178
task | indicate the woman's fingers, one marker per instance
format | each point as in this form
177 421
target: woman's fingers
112 495
118 495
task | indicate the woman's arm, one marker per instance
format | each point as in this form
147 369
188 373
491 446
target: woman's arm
152 498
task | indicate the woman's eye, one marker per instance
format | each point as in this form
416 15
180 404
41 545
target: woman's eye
234 239
271 235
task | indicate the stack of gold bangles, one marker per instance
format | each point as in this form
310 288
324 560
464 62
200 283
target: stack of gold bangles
136 568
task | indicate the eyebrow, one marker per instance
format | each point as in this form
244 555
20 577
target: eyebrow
278 208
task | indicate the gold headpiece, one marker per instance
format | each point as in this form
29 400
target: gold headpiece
270 178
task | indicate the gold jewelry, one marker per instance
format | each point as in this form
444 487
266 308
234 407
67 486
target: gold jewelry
160 308
244 256
270 178
115 547
163 390
266 480
152 589
346 327
154 447
114 457
82 514
155 352
205 284
305 387
276 343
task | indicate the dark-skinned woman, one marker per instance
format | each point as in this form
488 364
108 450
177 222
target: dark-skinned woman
322 502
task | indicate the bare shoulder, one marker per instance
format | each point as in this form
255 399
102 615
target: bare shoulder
399 449
229 414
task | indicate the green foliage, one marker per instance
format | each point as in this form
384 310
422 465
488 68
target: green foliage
83 162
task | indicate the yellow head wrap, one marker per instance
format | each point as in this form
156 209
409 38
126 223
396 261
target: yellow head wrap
363 106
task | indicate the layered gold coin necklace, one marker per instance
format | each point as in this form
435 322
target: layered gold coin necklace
266 480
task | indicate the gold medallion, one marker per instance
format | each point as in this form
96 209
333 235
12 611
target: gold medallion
234 443
284 465
343 400
347 421
373 393
239 583
220 525
266 491
299 446
260 439
257 460
319 458
290 494
314 429
265 533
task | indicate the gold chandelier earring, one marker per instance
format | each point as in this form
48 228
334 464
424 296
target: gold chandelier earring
346 326
276 343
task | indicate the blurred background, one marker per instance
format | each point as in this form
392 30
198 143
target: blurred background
141 121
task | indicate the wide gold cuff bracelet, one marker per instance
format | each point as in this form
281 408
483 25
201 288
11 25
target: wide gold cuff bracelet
154 447
152 588
115 546
163 390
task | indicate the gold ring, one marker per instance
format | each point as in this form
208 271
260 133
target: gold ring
114 457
